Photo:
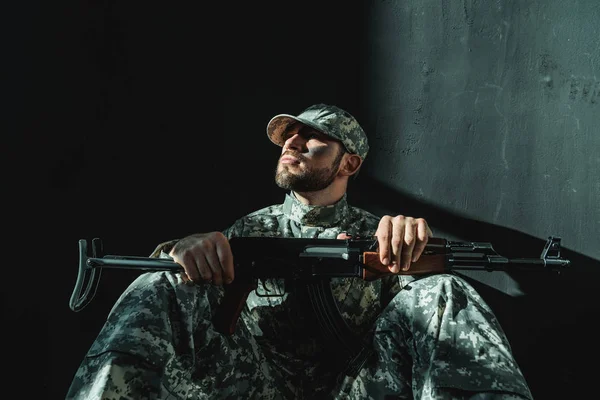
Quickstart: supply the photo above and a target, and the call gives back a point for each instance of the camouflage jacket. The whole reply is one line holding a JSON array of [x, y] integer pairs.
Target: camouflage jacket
[[288, 316]]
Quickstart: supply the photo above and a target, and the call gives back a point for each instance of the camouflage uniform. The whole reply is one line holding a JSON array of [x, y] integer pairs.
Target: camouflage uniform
[[426, 337], [430, 337]]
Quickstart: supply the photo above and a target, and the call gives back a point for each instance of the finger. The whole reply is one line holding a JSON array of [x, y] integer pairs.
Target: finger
[[409, 243], [220, 258], [344, 236], [423, 235], [396, 243], [383, 237], [185, 257], [397, 240], [214, 265], [188, 262], [204, 269], [226, 260]]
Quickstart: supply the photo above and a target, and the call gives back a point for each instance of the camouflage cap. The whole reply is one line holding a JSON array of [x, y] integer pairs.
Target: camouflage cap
[[327, 119]]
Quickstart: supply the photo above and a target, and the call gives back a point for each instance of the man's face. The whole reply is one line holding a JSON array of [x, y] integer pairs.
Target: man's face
[[309, 159]]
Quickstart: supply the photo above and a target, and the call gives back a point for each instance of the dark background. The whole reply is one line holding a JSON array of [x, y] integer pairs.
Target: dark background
[[139, 123]]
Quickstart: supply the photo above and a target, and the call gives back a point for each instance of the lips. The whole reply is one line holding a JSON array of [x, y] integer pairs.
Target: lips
[[289, 160]]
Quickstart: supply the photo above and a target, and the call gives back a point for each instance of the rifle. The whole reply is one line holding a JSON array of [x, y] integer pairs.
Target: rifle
[[310, 263], [307, 266]]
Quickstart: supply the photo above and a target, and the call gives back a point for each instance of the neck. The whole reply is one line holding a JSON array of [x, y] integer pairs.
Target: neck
[[325, 197]]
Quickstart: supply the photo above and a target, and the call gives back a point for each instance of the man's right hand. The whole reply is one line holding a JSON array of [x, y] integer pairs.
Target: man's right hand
[[205, 257]]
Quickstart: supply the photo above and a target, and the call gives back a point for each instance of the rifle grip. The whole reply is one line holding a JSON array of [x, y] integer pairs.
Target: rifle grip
[[231, 306], [426, 264]]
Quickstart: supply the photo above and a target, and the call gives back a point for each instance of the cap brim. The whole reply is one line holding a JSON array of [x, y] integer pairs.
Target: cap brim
[[278, 124]]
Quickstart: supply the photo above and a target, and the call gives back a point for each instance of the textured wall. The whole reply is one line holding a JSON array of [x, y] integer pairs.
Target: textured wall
[[491, 109], [485, 118]]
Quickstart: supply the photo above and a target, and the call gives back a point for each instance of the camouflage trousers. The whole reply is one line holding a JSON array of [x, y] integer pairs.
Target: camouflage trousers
[[436, 339]]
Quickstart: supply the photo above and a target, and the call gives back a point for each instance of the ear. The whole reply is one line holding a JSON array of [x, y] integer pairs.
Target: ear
[[350, 164]]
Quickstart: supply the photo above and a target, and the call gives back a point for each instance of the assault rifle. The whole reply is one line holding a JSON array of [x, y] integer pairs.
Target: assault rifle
[[310, 264]]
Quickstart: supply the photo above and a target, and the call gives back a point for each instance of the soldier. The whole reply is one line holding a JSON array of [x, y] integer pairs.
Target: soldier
[[425, 336]]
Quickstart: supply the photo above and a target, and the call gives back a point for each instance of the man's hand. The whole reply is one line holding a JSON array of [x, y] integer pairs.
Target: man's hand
[[205, 257], [401, 241]]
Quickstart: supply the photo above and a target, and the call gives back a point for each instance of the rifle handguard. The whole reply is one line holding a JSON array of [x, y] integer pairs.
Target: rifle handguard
[[426, 264]]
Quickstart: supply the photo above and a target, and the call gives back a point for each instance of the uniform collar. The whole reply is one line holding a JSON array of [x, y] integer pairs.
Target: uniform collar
[[323, 216]]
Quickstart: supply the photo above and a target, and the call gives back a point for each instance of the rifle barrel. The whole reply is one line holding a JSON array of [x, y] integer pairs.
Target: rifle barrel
[[494, 263]]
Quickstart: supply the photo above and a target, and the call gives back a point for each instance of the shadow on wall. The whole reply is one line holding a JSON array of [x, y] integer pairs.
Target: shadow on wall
[[548, 323]]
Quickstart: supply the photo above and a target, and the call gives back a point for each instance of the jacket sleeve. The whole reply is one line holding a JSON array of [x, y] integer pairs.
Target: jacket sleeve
[[164, 247]]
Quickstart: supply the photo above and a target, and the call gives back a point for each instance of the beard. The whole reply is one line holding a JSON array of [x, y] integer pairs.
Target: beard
[[308, 180]]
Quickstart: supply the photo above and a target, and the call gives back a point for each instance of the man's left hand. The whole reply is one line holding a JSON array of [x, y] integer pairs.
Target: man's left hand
[[401, 241]]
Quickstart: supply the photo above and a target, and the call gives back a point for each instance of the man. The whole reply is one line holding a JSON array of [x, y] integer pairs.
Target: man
[[425, 337]]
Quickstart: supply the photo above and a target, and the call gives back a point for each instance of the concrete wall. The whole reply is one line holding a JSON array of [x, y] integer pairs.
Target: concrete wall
[[502, 98], [485, 117]]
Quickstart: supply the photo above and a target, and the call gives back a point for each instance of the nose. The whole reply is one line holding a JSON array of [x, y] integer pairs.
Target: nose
[[295, 142]]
